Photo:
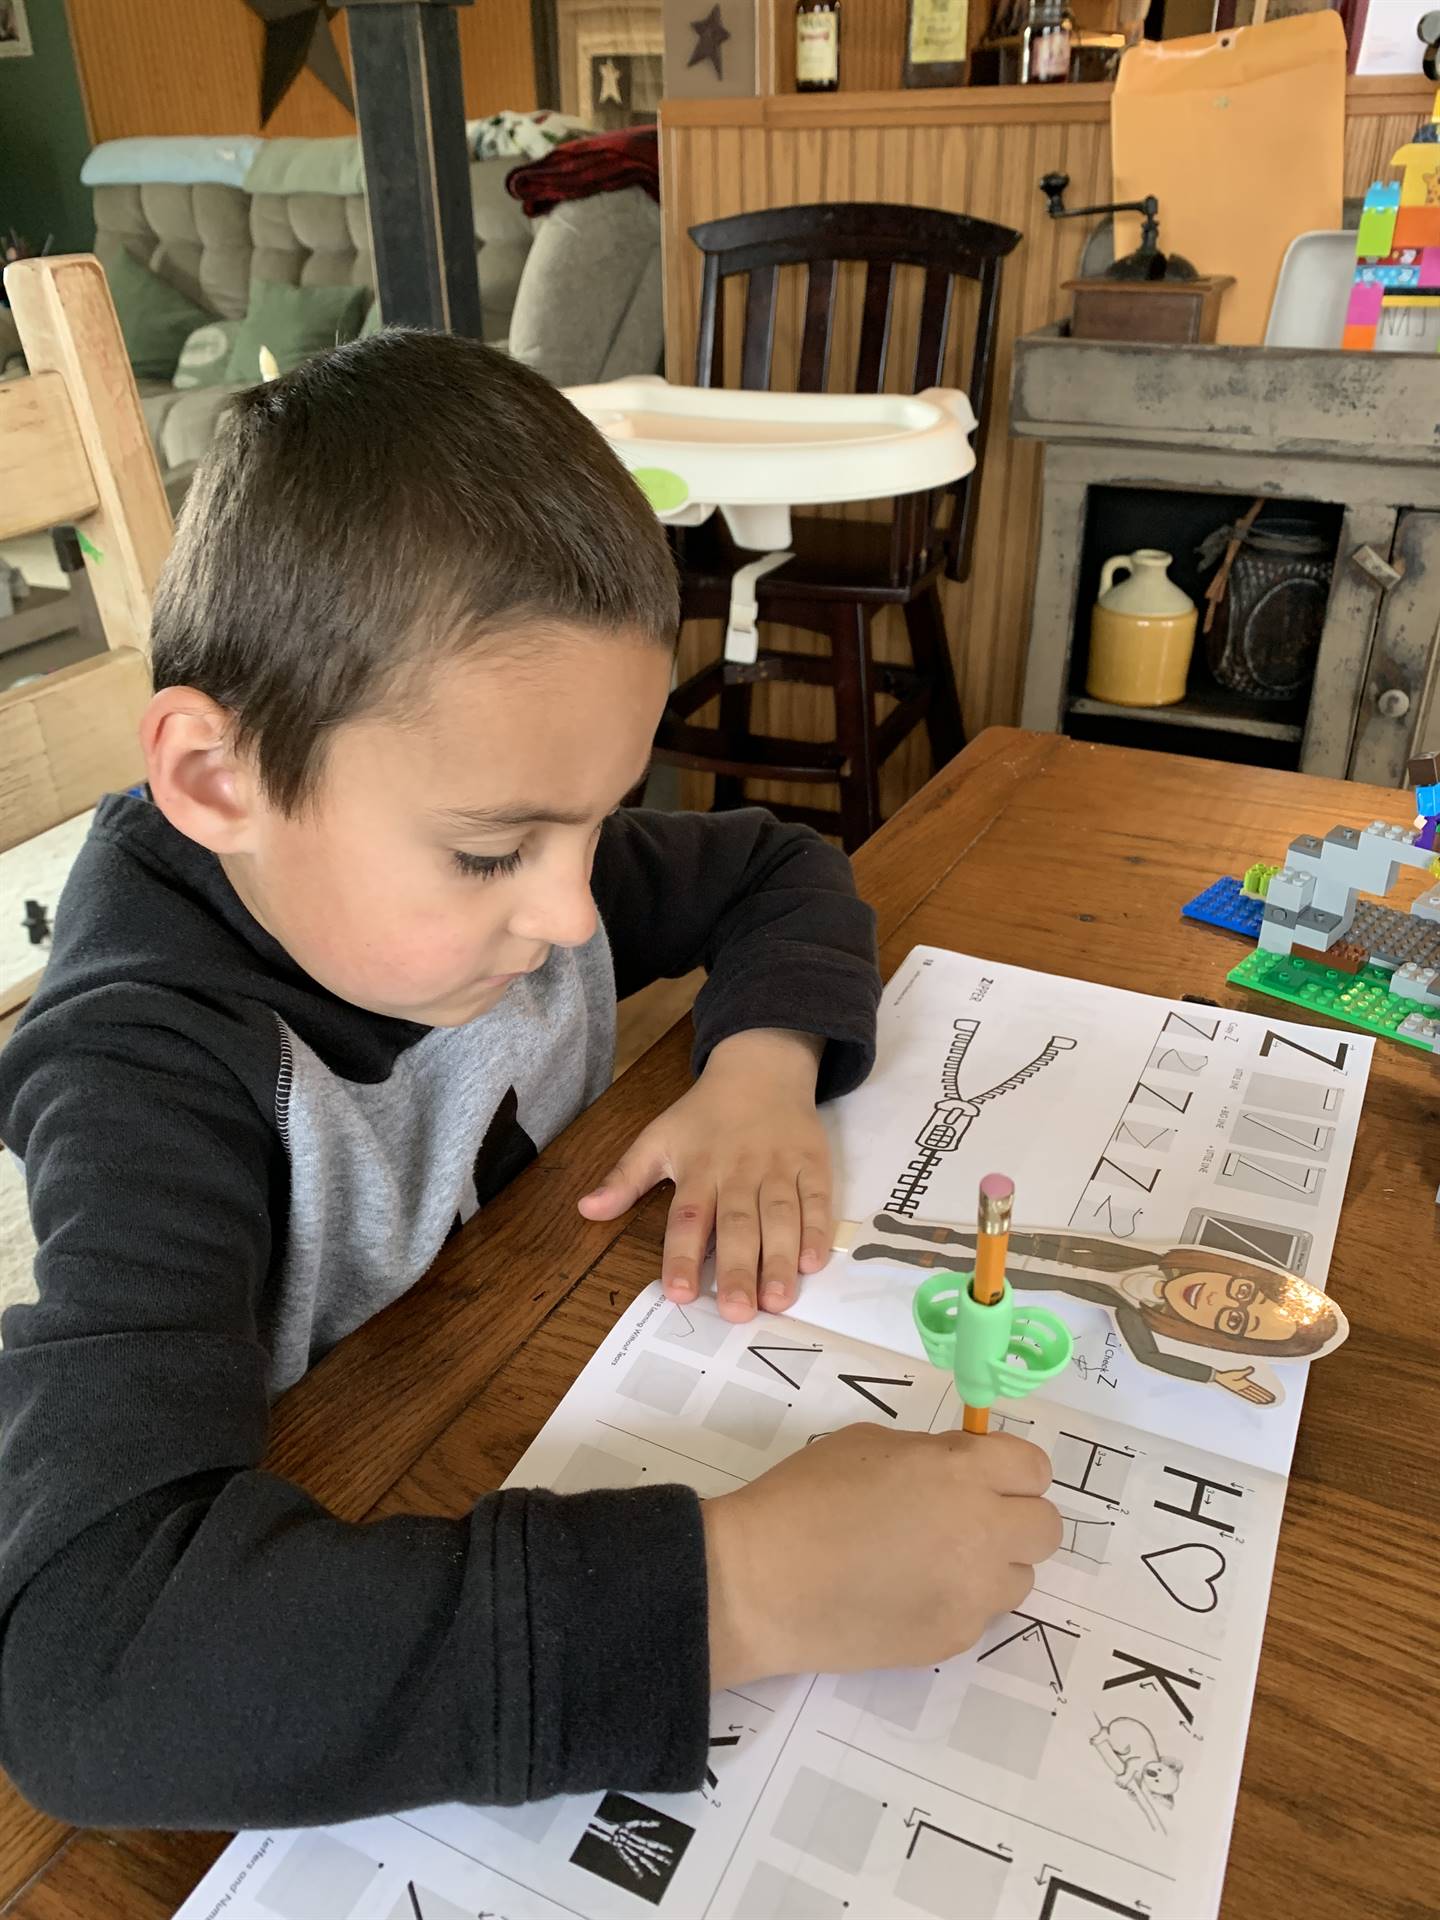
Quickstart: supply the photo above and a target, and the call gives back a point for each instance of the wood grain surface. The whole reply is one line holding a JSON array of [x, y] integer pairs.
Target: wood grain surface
[[172, 66], [1075, 859]]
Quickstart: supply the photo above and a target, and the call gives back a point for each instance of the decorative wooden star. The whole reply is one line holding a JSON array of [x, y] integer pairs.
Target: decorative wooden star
[[609, 84], [711, 33], [297, 35]]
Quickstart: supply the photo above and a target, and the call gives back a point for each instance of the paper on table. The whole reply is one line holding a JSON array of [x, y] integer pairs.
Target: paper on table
[[1172, 1124]]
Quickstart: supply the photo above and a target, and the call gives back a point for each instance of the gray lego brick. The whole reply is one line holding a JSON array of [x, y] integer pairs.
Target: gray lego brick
[[1393, 939], [1344, 837], [1317, 920], [1305, 847], [1279, 916]]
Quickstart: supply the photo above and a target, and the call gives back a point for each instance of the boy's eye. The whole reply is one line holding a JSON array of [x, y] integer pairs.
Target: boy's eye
[[487, 866]]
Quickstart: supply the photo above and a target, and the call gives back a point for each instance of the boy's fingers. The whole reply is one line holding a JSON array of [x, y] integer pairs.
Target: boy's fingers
[[687, 1235], [641, 1168], [780, 1224], [1008, 1463], [817, 1234], [737, 1249]]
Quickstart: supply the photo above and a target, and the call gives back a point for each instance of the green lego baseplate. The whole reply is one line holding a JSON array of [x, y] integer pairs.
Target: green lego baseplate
[[1361, 1000]]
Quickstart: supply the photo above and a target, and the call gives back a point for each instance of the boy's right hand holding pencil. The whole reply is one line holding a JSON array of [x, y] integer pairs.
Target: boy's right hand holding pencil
[[873, 1548]]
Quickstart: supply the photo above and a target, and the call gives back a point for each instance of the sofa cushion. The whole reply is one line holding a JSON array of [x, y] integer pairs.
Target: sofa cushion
[[196, 237], [310, 240], [294, 322], [206, 355], [156, 319], [589, 306]]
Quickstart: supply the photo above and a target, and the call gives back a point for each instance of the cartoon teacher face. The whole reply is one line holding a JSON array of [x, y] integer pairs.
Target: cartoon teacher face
[[1229, 1303]]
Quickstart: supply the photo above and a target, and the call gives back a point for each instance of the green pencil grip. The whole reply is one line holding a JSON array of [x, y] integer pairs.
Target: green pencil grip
[[994, 1352]]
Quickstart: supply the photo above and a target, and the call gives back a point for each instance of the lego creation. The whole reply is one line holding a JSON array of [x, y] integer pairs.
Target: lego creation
[[1363, 1000], [1397, 250], [1318, 945], [1227, 905], [1312, 900]]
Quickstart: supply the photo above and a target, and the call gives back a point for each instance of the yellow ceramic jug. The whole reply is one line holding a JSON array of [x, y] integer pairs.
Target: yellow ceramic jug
[[1142, 633]]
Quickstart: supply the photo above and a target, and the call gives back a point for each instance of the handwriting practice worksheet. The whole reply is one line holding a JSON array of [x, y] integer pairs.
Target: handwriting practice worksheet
[[1083, 1758]]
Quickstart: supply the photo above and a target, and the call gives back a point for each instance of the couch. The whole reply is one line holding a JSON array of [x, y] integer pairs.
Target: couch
[[575, 294]]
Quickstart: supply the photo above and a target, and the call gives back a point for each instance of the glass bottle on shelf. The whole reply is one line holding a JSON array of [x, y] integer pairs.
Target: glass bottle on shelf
[[936, 43], [817, 46], [1047, 42]]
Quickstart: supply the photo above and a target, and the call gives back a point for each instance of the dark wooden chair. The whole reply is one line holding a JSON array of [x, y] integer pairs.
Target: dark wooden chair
[[842, 570]]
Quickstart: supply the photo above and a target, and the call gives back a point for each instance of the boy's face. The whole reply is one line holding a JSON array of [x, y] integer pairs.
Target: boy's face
[[444, 856]]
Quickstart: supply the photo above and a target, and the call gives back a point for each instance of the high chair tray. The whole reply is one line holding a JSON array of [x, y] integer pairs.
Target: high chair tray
[[694, 449]]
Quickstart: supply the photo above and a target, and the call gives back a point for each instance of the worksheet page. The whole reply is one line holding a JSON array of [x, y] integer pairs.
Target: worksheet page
[[1083, 1758]]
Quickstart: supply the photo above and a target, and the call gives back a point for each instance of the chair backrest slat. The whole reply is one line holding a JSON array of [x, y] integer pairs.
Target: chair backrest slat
[[934, 335], [75, 451], [69, 738], [45, 477], [710, 337], [814, 371], [876, 315], [758, 345], [67, 326]]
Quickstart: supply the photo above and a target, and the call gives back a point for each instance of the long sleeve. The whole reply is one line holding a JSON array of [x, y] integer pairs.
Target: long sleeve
[[769, 910], [191, 1641]]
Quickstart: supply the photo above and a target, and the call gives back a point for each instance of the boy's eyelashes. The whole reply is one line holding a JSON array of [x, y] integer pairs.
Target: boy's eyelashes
[[493, 866], [487, 866]]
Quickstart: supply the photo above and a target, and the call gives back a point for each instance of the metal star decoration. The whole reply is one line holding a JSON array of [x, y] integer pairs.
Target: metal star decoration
[[297, 36], [711, 33]]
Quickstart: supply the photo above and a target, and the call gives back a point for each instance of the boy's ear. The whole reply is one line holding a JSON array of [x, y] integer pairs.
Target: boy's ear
[[205, 790]]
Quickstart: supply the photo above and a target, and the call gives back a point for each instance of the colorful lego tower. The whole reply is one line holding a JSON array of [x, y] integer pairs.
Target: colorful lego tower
[[1397, 251]]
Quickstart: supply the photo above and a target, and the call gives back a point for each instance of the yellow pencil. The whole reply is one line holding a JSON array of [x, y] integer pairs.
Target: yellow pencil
[[992, 1243]]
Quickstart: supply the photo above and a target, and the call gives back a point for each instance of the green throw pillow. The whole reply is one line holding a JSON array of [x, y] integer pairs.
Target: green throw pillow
[[294, 322], [206, 355], [155, 318]]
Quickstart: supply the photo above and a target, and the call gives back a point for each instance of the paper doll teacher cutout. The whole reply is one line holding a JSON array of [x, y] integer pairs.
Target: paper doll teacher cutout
[[1195, 1296]]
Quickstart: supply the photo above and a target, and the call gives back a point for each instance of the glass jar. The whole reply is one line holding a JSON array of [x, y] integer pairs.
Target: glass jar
[[1047, 42]]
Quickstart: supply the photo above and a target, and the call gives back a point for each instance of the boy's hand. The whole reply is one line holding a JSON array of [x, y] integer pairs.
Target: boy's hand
[[873, 1549], [750, 1162]]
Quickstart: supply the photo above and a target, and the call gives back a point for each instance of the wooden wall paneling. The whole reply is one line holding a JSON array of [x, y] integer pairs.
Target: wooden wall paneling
[[155, 67], [497, 58], [158, 67]]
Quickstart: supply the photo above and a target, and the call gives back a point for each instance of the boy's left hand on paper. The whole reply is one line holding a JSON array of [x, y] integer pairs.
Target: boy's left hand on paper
[[750, 1163]]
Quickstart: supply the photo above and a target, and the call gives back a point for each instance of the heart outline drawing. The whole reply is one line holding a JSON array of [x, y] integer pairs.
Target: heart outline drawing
[[1208, 1580]]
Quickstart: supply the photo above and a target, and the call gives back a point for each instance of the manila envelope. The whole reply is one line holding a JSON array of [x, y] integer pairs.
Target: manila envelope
[[1240, 135]]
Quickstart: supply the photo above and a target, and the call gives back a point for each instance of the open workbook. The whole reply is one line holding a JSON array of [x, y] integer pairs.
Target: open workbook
[[1083, 1758]]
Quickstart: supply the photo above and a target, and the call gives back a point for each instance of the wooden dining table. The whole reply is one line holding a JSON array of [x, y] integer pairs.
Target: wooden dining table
[[1070, 858]]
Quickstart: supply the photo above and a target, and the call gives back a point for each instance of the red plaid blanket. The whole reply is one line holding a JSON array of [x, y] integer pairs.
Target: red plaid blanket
[[604, 164]]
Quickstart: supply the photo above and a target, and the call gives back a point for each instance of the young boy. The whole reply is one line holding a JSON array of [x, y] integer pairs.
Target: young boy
[[311, 1003]]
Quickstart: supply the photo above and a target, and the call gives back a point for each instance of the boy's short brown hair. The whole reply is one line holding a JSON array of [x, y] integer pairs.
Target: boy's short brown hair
[[389, 504]]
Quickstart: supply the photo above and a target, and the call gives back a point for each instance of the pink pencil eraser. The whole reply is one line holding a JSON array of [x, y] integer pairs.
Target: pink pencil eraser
[[997, 1186]]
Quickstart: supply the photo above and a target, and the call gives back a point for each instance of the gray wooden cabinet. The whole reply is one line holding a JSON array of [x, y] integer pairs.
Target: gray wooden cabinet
[[1360, 432]]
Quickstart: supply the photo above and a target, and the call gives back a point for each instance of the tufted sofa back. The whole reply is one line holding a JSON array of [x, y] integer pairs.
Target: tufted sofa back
[[210, 240]]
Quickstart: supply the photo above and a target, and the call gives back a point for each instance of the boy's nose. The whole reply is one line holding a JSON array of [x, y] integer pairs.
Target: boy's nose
[[560, 917]]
